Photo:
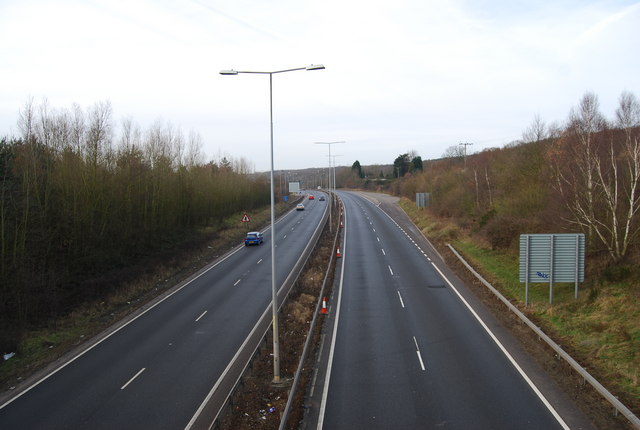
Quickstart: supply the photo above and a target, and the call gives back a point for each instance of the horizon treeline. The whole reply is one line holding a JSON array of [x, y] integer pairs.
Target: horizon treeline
[[582, 176], [76, 200]]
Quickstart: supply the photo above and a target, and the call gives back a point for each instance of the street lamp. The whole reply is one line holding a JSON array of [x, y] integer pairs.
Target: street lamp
[[274, 290], [329, 176], [334, 170]]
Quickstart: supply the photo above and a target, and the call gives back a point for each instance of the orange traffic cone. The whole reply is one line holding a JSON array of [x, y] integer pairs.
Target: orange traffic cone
[[324, 306], [338, 255]]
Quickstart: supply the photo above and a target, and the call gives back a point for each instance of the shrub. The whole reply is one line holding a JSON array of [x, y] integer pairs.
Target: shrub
[[501, 230], [616, 273]]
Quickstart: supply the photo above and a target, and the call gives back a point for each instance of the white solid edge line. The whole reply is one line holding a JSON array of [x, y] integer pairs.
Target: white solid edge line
[[325, 390], [506, 353], [81, 353]]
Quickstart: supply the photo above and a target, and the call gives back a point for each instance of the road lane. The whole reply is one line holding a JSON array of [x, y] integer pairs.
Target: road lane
[[408, 353], [182, 358]]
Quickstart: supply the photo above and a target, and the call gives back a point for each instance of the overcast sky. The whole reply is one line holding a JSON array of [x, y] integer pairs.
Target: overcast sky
[[400, 75]]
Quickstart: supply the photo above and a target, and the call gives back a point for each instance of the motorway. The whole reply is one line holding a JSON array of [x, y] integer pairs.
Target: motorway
[[155, 370], [406, 351]]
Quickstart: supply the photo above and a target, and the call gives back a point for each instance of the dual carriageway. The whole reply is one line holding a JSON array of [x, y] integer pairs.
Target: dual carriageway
[[405, 344]]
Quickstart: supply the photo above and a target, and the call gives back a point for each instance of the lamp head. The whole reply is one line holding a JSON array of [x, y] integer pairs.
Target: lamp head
[[315, 67], [228, 72]]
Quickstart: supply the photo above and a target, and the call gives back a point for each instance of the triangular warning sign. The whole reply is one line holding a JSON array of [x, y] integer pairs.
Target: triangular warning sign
[[245, 218]]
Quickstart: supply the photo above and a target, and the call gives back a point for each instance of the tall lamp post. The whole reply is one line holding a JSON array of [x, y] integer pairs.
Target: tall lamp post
[[329, 176], [335, 183], [274, 290]]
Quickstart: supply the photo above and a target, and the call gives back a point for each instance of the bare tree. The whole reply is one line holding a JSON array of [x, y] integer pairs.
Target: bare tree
[[536, 132], [26, 119], [162, 145], [413, 154], [622, 233], [455, 151], [99, 131], [628, 113], [126, 136], [242, 166], [486, 177], [584, 123], [475, 180], [44, 127], [78, 131], [600, 181], [194, 155], [554, 130]]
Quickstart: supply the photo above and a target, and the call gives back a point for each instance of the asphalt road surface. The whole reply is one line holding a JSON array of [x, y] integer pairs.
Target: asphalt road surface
[[407, 352], [155, 371]]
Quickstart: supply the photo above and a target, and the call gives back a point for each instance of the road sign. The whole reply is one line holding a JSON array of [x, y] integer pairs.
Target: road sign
[[245, 218], [294, 187], [551, 258]]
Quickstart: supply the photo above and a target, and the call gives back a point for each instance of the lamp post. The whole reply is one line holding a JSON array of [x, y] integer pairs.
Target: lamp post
[[334, 170], [274, 290], [329, 176]]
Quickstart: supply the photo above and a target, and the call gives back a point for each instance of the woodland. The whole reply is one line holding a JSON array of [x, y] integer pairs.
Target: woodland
[[80, 206]]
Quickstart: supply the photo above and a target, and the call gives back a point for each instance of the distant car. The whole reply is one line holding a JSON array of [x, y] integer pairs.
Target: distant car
[[311, 197], [253, 238], [300, 207], [321, 198]]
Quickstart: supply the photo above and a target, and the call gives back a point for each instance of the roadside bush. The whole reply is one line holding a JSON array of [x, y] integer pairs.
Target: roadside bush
[[616, 273], [487, 217], [500, 231]]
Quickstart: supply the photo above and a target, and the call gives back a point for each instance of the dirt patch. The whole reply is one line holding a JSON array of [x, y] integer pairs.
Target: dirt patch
[[301, 310]]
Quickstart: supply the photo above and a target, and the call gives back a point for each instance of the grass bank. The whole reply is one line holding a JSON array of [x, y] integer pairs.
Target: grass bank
[[601, 329]]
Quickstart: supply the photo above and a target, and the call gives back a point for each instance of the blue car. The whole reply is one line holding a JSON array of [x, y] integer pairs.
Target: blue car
[[253, 238]]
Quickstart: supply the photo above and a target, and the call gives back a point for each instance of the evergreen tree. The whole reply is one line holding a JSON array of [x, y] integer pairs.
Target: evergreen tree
[[401, 165], [416, 164], [356, 167]]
